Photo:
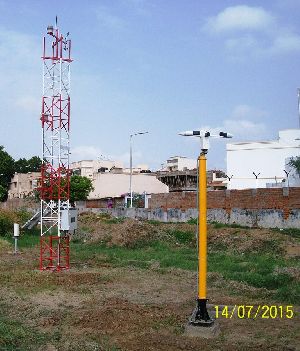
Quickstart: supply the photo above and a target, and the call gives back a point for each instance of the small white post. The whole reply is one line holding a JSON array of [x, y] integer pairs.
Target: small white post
[[16, 236]]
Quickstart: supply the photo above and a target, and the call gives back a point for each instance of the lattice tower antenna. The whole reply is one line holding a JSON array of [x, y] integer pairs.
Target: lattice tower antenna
[[55, 172]]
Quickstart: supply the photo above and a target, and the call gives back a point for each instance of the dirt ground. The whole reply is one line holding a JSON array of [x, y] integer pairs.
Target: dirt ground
[[102, 307]]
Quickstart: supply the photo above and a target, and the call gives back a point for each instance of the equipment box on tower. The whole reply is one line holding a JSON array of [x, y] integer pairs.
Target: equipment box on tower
[[69, 219]]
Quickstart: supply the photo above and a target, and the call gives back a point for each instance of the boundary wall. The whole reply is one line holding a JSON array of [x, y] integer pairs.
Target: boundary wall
[[268, 208]]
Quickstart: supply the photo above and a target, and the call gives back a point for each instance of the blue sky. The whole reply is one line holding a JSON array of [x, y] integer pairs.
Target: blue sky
[[160, 66]]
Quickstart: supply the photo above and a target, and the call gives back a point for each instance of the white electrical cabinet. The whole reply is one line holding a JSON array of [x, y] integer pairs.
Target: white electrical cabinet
[[69, 219]]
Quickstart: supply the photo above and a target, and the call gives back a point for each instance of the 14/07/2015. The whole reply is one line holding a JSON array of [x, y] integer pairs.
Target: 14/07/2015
[[252, 312]]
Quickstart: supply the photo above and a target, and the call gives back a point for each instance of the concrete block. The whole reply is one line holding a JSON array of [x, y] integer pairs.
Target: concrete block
[[205, 332]]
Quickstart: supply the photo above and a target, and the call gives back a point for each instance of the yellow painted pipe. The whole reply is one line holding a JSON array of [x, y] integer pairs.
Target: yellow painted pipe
[[202, 227]]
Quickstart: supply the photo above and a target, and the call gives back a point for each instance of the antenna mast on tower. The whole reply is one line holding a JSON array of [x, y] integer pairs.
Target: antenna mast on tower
[[55, 172]]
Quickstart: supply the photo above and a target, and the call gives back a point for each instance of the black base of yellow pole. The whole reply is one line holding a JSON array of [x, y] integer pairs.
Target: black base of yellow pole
[[200, 316]]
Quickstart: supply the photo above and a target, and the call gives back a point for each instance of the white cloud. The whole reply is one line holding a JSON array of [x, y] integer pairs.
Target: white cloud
[[139, 7], [29, 104], [240, 17], [19, 48], [247, 43], [21, 81], [85, 152], [136, 157], [21, 63], [241, 123], [246, 111], [285, 43], [252, 31], [244, 128], [89, 152], [109, 20]]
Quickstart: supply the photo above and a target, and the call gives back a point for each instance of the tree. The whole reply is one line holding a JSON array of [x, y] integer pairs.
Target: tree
[[6, 170], [295, 163], [21, 166], [80, 187], [32, 165], [3, 193], [8, 166]]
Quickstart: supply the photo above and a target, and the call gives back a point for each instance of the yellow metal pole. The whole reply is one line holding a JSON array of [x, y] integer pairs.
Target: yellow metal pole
[[202, 228]]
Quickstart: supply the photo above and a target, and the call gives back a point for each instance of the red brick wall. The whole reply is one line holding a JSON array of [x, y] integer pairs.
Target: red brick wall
[[274, 198], [103, 203]]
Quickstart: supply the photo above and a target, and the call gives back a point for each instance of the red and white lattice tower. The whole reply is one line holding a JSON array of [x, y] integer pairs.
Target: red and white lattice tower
[[55, 172]]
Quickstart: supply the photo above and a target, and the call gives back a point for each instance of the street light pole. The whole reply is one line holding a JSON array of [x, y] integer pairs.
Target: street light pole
[[130, 178], [299, 105], [130, 163], [200, 316]]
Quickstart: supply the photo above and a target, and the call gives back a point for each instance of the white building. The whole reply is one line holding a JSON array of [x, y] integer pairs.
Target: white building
[[267, 159], [180, 163], [86, 168], [112, 185], [293, 175], [142, 168]]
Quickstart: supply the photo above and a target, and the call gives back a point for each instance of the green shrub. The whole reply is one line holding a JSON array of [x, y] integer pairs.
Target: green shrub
[[7, 220], [22, 215]]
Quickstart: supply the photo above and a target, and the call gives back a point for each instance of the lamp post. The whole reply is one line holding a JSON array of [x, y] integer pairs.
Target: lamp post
[[200, 316], [130, 161]]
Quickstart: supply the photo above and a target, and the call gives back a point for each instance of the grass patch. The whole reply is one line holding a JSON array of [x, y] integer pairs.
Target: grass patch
[[167, 255], [28, 281], [29, 239], [218, 225], [170, 322], [257, 270], [193, 221], [154, 222], [288, 293], [114, 220], [88, 218], [182, 237], [293, 232], [16, 336]]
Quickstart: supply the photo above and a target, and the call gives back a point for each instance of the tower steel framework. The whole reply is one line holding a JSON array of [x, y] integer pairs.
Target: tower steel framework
[[55, 172]]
